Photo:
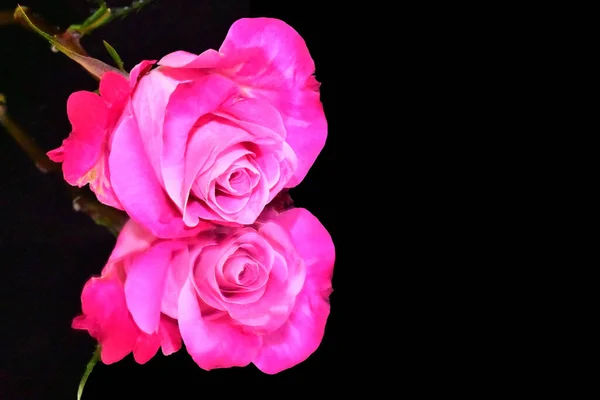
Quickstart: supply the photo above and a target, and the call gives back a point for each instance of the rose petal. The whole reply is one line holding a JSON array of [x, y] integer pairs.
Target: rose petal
[[177, 273], [133, 238], [149, 104], [107, 319], [213, 344], [183, 59], [137, 187], [114, 89], [83, 148], [145, 285], [139, 70], [170, 338], [209, 148], [256, 116], [313, 243], [299, 337], [145, 347]]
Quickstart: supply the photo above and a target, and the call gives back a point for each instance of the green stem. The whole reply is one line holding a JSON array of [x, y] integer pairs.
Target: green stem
[[104, 15], [108, 217], [39, 157], [88, 371]]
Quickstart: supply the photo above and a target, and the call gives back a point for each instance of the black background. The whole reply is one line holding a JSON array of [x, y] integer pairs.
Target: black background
[[48, 251]]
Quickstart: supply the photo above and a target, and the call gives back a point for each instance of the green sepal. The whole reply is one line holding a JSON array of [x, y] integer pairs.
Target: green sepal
[[115, 56]]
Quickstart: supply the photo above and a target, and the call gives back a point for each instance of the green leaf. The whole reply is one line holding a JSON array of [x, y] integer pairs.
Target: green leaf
[[88, 371], [115, 56], [95, 67]]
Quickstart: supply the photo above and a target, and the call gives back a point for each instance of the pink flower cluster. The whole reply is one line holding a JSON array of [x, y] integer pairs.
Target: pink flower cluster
[[199, 151]]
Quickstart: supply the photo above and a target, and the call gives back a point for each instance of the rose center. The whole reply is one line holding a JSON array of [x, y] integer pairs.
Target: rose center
[[239, 181]]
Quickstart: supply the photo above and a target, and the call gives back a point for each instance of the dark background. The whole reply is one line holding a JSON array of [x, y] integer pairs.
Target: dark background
[[48, 251]]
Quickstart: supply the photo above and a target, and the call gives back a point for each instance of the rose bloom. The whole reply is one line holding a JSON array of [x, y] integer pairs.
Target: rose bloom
[[249, 294], [209, 137]]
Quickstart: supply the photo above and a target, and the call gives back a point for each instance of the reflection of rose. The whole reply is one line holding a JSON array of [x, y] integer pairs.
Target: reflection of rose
[[255, 294]]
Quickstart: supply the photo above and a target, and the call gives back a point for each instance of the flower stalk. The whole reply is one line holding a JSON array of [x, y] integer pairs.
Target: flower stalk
[[108, 217], [88, 370]]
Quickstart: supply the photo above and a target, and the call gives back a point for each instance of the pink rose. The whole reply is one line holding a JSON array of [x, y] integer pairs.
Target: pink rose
[[107, 318], [249, 294], [210, 137]]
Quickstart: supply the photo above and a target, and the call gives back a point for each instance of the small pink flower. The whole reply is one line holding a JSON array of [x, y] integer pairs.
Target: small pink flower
[[209, 137], [255, 294]]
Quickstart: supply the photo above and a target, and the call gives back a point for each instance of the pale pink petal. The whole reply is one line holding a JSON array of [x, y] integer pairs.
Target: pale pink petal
[[206, 147], [148, 104], [183, 59], [186, 104], [145, 284], [257, 116], [138, 189], [213, 344], [273, 308], [205, 264], [177, 273]]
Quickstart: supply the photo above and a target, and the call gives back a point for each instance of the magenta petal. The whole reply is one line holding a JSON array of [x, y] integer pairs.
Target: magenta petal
[[213, 344], [57, 155], [83, 148], [114, 89], [107, 318], [137, 187], [145, 347], [272, 53], [170, 338], [139, 70], [145, 285]]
